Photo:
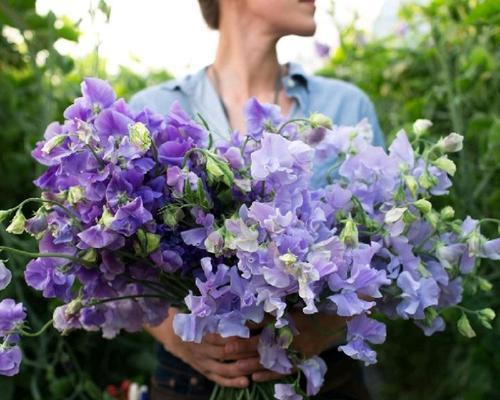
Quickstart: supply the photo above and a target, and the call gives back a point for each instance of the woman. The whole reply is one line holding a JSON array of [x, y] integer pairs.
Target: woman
[[246, 65]]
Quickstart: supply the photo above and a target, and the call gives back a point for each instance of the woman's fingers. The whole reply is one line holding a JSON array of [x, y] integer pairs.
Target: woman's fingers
[[215, 339], [264, 376], [238, 346], [240, 382], [212, 351], [233, 369]]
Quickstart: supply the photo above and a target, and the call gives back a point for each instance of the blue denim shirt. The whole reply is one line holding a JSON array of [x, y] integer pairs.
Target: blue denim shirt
[[343, 102]]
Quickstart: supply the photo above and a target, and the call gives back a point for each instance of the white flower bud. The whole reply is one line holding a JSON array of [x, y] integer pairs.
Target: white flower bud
[[451, 143], [421, 126], [394, 215]]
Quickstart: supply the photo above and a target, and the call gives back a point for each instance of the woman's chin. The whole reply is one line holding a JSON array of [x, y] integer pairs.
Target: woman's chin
[[306, 30]]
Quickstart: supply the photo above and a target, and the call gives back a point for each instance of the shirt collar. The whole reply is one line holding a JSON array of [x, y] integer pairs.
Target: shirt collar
[[295, 82]]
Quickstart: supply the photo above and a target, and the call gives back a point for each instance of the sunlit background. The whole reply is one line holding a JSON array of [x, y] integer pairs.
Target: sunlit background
[[171, 34]]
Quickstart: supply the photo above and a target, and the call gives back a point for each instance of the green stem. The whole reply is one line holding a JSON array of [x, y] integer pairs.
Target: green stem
[[465, 309], [47, 325], [50, 255], [292, 121], [207, 127], [52, 202]]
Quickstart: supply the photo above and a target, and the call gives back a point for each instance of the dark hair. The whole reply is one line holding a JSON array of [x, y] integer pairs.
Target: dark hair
[[210, 11]]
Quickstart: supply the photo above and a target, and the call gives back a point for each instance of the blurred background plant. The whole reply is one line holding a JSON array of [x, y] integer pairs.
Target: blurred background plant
[[441, 62], [36, 84]]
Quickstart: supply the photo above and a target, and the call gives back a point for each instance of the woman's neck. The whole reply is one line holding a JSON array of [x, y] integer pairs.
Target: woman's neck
[[246, 64]]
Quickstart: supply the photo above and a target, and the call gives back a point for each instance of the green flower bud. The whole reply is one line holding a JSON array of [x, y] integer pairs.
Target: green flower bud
[[424, 206], [75, 194], [447, 213], [213, 168], [432, 218], [172, 215], [411, 184], [451, 143], [148, 241], [288, 258], [4, 214], [349, 234], [17, 224], [74, 307], [465, 328], [218, 168], [430, 315], [484, 284], [446, 165], [320, 120], [394, 215], [426, 180], [400, 194], [421, 126], [285, 337], [90, 255], [140, 136], [53, 142], [107, 218], [487, 313]]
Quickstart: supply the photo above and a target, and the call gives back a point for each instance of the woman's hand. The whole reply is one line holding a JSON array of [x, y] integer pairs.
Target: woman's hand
[[226, 361]]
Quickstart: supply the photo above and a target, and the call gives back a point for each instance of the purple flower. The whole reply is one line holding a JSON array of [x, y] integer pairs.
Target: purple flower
[[314, 370], [12, 315], [65, 321], [401, 150], [172, 152], [5, 276], [43, 274], [130, 217], [491, 249], [99, 237], [10, 360], [259, 117], [363, 280], [417, 295], [280, 161], [322, 49], [437, 325], [243, 238], [110, 122], [98, 92], [285, 391], [272, 356], [360, 330]]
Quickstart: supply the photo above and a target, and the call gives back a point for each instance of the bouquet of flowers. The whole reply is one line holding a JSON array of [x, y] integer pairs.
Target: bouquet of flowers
[[139, 212]]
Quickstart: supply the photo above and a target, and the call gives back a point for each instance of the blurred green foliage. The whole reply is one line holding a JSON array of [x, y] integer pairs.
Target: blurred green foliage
[[36, 84], [442, 63]]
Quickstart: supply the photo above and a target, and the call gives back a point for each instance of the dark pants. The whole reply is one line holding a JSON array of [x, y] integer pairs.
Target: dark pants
[[175, 380]]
